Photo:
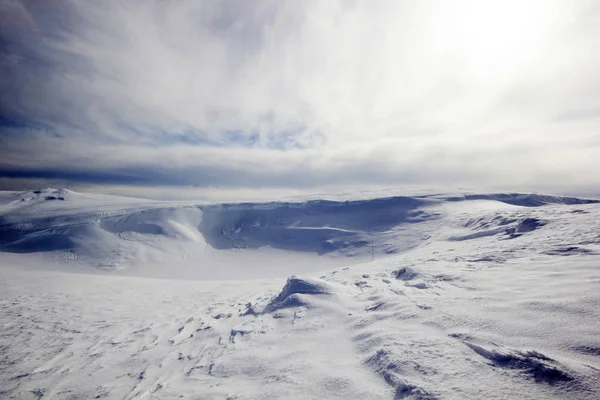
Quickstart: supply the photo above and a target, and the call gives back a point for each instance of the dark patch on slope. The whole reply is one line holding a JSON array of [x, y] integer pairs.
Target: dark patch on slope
[[19, 241], [524, 226], [541, 368], [321, 226], [588, 349], [568, 251], [525, 200], [485, 228], [384, 365], [405, 274]]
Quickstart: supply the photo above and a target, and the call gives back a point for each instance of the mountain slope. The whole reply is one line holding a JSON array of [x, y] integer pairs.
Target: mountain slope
[[137, 237], [479, 298]]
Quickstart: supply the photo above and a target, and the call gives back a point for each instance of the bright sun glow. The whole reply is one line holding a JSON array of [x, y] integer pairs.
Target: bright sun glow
[[492, 39]]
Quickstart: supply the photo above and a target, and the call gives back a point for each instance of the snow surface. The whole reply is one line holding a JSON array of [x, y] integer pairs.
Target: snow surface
[[480, 296]]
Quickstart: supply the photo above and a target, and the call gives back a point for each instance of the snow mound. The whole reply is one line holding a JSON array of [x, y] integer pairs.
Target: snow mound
[[76, 233], [478, 319], [292, 294], [51, 192], [124, 234]]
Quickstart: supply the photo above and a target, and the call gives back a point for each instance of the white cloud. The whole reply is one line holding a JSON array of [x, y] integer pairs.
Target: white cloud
[[305, 94]]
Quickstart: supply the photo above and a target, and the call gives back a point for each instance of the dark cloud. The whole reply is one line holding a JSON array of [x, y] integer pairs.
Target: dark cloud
[[299, 95]]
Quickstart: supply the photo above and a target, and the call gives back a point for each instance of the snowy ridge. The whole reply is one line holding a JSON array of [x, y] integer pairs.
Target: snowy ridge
[[118, 233], [478, 298]]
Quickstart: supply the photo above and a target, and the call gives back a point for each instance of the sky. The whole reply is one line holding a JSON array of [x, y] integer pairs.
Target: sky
[[242, 99]]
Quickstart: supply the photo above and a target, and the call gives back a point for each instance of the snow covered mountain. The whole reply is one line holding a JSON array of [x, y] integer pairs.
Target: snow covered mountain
[[489, 296]]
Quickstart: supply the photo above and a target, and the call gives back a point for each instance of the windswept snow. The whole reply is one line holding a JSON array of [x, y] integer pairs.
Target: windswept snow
[[489, 296]]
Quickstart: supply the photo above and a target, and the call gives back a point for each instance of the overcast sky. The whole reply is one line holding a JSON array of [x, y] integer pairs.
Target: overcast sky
[[190, 98]]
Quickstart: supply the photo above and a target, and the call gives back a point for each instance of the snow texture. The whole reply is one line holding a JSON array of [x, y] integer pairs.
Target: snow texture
[[489, 296]]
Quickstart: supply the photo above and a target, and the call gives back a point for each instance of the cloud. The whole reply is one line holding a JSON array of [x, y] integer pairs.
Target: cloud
[[300, 95]]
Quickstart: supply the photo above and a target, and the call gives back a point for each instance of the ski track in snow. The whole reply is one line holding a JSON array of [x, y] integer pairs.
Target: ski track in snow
[[492, 297]]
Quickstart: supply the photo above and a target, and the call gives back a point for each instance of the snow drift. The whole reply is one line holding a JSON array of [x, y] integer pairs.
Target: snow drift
[[116, 233], [438, 297]]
